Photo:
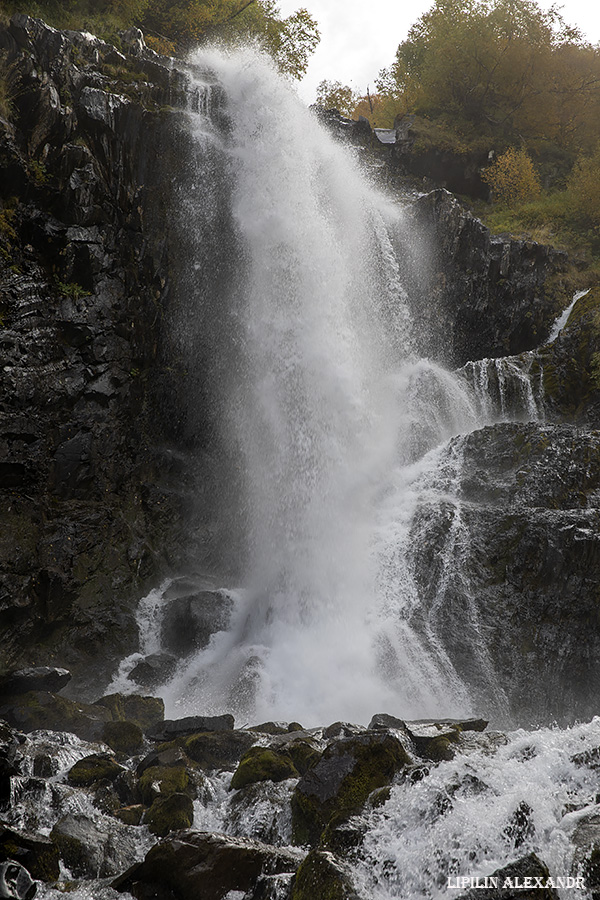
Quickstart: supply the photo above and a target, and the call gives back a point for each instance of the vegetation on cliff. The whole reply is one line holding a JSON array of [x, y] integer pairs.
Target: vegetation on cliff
[[174, 27]]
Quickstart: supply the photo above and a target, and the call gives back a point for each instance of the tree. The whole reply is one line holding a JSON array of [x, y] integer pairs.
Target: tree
[[335, 95], [512, 178], [498, 66], [584, 190]]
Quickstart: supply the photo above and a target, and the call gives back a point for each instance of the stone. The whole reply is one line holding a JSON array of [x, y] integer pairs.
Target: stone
[[263, 764], [16, 882], [153, 670], [171, 812], [93, 768], [144, 711], [322, 875], [219, 749], [193, 864], [35, 678], [40, 709], [189, 622], [172, 755], [340, 783], [123, 737], [37, 854], [161, 781], [92, 850], [174, 728]]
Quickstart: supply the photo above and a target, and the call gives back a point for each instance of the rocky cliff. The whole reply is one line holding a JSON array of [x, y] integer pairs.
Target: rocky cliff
[[90, 508]]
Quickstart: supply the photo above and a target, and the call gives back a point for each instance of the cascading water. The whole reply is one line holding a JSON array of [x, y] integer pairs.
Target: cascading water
[[331, 416]]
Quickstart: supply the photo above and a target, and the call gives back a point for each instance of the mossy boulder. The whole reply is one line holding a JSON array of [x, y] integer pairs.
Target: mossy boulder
[[173, 812], [162, 781], [38, 854], [144, 711], [123, 737], [218, 749], [42, 710], [130, 815], [340, 783], [93, 768], [263, 764], [322, 876]]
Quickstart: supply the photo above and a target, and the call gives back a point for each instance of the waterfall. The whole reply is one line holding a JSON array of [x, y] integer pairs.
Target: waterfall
[[334, 430]]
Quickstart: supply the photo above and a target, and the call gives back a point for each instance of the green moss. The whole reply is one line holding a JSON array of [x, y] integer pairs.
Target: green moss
[[93, 768], [303, 755], [163, 781], [123, 737], [372, 764], [170, 813], [321, 877], [143, 711], [130, 815], [439, 748], [263, 764]]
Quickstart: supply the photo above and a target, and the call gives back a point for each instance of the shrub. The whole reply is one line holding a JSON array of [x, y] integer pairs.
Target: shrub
[[584, 189], [513, 178]]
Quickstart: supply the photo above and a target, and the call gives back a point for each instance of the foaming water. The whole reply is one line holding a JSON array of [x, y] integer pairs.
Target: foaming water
[[332, 417]]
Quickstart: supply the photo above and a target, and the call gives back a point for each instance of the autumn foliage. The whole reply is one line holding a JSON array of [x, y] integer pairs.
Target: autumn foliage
[[512, 178]]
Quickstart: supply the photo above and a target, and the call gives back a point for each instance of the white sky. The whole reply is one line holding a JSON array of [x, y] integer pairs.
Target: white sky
[[360, 37]]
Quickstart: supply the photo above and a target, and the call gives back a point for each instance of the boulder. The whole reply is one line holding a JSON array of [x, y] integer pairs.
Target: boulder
[[193, 864], [161, 781], [37, 854], [144, 711], [153, 670], [93, 850], [218, 749], [189, 622], [36, 678], [322, 875], [263, 764], [16, 882], [174, 728], [123, 737], [170, 812], [93, 768], [40, 709], [340, 783]]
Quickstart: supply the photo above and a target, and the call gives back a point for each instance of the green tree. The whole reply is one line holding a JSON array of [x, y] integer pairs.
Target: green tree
[[335, 95], [584, 190]]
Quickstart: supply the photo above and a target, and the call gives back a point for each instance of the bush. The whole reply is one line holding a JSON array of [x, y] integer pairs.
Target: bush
[[513, 178], [584, 189]]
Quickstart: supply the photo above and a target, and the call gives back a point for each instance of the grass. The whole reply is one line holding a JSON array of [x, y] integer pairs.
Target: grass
[[549, 219]]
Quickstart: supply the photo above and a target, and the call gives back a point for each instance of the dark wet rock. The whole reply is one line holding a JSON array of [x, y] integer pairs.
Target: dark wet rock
[[153, 670], [123, 737], [263, 764], [322, 875], [144, 711], [512, 884], [91, 515], [277, 727], [341, 730], [174, 728], [586, 858], [344, 838], [340, 783], [192, 864], [568, 367], [523, 544], [16, 882], [90, 851], [40, 709], [589, 758], [91, 769], [38, 678], [38, 854], [189, 622], [219, 749], [170, 812], [271, 887], [10, 760], [165, 758], [486, 296]]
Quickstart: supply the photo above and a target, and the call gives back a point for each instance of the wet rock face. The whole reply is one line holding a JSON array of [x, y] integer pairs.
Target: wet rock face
[[485, 296], [88, 513], [521, 544]]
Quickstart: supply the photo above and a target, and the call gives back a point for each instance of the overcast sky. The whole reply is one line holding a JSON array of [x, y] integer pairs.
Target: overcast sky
[[359, 37]]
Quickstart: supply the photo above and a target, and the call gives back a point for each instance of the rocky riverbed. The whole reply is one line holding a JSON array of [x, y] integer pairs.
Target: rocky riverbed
[[108, 799]]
